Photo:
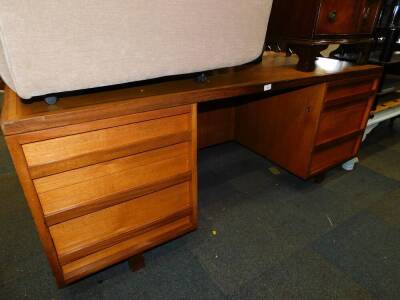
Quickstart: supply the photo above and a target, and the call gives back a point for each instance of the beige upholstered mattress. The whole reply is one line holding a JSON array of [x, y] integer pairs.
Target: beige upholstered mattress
[[52, 46]]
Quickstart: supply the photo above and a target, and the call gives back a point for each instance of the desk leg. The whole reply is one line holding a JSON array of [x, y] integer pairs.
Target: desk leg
[[320, 178], [136, 263]]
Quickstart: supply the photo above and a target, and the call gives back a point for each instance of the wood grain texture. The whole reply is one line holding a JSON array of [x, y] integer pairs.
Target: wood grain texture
[[347, 99], [347, 88], [275, 69], [114, 199], [35, 207], [129, 178], [370, 15], [216, 124], [282, 128], [65, 153], [11, 101], [124, 250], [328, 157], [303, 27], [79, 237], [342, 120], [89, 247], [93, 155], [90, 191], [72, 177], [48, 134], [193, 165], [346, 20], [88, 159]]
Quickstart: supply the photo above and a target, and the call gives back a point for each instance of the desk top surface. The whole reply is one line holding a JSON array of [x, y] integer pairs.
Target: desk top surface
[[276, 72]]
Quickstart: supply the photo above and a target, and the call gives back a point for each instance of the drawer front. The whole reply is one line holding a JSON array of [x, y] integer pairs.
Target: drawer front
[[338, 17], [124, 250], [342, 91], [342, 120], [369, 16], [91, 233], [77, 192], [71, 152], [106, 190], [330, 156]]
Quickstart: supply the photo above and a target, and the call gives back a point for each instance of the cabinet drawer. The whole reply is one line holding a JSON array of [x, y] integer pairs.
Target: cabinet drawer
[[343, 91], [77, 192], [327, 157], [369, 15], [124, 250], [342, 120], [338, 17], [75, 151], [91, 233]]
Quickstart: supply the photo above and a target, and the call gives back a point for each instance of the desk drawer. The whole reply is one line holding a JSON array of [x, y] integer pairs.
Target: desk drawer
[[101, 259], [75, 151], [77, 192], [94, 232], [342, 120], [338, 17], [329, 156], [340, 92]]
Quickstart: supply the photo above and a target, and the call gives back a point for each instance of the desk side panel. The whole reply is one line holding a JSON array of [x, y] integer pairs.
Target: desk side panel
[[282, 128]]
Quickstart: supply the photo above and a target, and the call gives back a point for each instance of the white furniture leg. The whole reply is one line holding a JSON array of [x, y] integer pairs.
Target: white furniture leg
[[349, 165], [372, 124]]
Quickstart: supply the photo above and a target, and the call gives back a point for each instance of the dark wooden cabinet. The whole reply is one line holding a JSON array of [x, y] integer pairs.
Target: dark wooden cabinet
[[308, 27], [337, 17]]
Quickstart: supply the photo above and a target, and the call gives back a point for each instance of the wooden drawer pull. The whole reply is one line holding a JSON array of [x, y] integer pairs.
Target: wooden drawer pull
[[107, 201], [332, 16], [80, 251], [84, 160]]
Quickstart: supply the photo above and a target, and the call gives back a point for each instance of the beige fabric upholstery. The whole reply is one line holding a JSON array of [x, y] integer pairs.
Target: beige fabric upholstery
[[50, 46]]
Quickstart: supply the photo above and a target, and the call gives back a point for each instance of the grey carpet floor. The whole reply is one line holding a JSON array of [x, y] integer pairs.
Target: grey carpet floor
[[276, 236]]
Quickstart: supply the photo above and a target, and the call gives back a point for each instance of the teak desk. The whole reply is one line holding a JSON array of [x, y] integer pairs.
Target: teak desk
[[110, 174]]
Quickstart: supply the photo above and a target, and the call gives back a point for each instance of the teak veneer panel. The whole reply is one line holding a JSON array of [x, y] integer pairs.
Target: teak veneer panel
[[307, 131], [65, 153], [79, 237], [124, 250], [69, 178], [283, 127], [99, 191], [277, 70], [333, 155], [216, 124], [341, 120], [350, 87], [96, 153], [137, 173]]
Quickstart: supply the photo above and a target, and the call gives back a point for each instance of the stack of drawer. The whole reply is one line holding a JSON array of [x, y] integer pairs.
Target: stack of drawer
[[112, 188], [344, 115], [308, 130]]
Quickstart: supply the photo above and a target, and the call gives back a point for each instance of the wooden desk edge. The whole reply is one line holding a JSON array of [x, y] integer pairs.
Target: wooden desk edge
[[14, 123]]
